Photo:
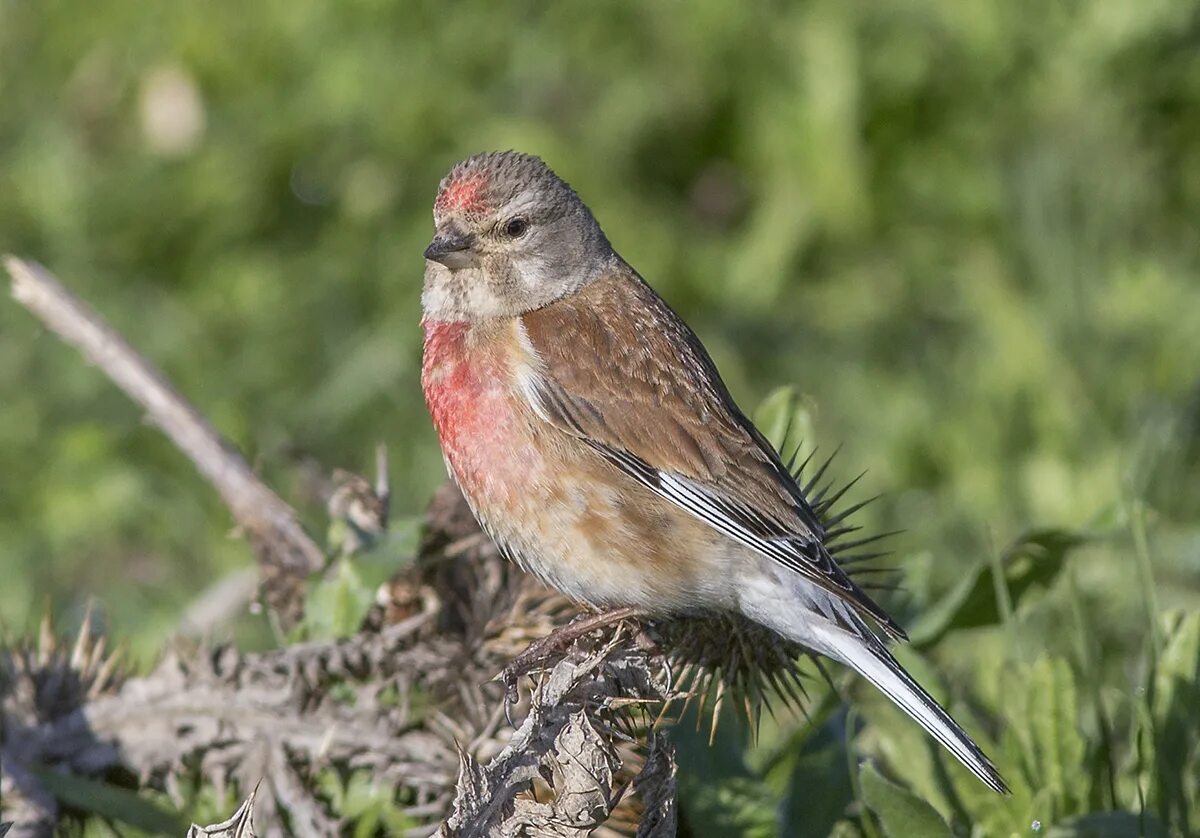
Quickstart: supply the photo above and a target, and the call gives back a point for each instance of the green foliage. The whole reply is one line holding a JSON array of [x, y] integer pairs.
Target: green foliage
[[963, 233], [369, 807], [110, 802], [339, 600], [1034, 558], [787, 421], [1107, 825], [902, 813], [1043, 748], [819, 789], [1174, 698], [721, 794], [338, 603]]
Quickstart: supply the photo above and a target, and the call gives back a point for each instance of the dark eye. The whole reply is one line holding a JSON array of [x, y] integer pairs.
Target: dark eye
[[514, 228]]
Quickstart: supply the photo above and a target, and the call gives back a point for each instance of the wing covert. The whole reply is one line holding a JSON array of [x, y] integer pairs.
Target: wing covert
[[655, 406]]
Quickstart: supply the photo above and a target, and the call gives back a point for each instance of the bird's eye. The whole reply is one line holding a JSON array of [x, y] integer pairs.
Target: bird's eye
[[516, 227]]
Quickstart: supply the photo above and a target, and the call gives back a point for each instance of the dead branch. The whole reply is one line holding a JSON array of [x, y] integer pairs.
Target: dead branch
[[271, 524]]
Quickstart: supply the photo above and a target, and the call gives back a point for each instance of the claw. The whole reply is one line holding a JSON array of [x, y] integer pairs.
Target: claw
[[557, 643]]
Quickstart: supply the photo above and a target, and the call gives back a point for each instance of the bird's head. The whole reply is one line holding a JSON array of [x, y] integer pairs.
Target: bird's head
[[510, 237]]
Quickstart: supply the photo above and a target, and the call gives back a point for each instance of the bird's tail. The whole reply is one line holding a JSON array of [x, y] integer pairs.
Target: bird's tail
[[817, 620], [866, 654]]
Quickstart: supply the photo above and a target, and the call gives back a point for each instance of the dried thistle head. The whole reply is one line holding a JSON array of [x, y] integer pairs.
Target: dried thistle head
[[358, 511], [50, 678], [43, 683], [720, 658]]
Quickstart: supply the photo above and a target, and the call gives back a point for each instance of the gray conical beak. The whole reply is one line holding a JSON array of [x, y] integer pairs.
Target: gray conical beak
[[452, 247]]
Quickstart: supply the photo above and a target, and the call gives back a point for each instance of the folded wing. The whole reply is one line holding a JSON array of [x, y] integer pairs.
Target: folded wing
[[619, 370]]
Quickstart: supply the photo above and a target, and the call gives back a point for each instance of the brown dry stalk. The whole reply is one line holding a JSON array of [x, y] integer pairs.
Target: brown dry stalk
[[271, 523]]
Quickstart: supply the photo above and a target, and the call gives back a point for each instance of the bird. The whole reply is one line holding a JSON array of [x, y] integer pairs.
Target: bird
[[597, 445]]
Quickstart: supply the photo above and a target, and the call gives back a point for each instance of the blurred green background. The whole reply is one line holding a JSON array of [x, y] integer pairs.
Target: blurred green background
[[966, 231]]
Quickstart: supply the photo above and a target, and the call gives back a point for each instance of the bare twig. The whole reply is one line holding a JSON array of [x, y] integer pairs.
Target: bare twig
[[271, 523]]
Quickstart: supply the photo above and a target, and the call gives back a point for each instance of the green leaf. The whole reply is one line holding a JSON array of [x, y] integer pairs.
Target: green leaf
[[1175, 790], [1034, 558], [1108, 825], [845, 829], [819, 789], [1054, 722], [718, 789], [371, 805], [1045, 739], [786, 420], [395, 550], [338, 603], [109, 801], [901, 813]]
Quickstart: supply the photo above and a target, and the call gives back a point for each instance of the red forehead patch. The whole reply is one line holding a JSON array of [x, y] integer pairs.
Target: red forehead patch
[[464, 193]]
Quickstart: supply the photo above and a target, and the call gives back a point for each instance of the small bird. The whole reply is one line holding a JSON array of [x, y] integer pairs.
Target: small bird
[[597, 445]]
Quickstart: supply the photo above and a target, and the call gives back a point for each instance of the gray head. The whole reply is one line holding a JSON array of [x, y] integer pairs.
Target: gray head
[[511, 237]]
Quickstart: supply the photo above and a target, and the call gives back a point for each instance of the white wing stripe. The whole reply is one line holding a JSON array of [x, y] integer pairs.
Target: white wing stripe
[[727, 517], [711, 509]]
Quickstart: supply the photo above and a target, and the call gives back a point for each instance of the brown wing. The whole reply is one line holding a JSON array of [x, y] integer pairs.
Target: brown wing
[[622, 372]]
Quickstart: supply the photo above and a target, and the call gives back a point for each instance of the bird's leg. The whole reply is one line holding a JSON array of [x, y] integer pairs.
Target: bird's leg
[[558, 641]]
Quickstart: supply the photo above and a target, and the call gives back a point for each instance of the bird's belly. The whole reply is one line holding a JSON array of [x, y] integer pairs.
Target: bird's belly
[[562, 512], [598, 542]]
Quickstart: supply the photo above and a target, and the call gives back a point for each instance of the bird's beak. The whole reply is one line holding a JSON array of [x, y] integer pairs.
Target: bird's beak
[[452, 247]]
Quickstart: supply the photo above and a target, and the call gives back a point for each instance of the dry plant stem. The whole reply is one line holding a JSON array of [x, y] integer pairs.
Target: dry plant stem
[[567, 739], [558, 641], [270, 522]]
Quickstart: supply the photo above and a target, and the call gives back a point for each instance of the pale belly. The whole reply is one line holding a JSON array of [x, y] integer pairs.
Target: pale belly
[[553, 505]]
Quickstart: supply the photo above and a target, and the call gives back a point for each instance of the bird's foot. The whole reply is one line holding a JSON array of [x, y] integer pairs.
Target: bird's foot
[[557, 642]]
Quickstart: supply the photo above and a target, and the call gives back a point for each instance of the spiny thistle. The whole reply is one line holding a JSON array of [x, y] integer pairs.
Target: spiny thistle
[[721, 658], [51, 678]]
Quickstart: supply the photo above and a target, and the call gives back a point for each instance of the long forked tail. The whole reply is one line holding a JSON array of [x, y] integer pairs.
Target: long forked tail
[[867, 655]]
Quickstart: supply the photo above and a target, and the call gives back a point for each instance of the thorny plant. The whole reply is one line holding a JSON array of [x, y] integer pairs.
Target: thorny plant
[[410, 701]]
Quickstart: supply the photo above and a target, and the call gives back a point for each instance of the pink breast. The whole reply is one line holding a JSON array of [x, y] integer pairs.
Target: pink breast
[[468, 390]]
